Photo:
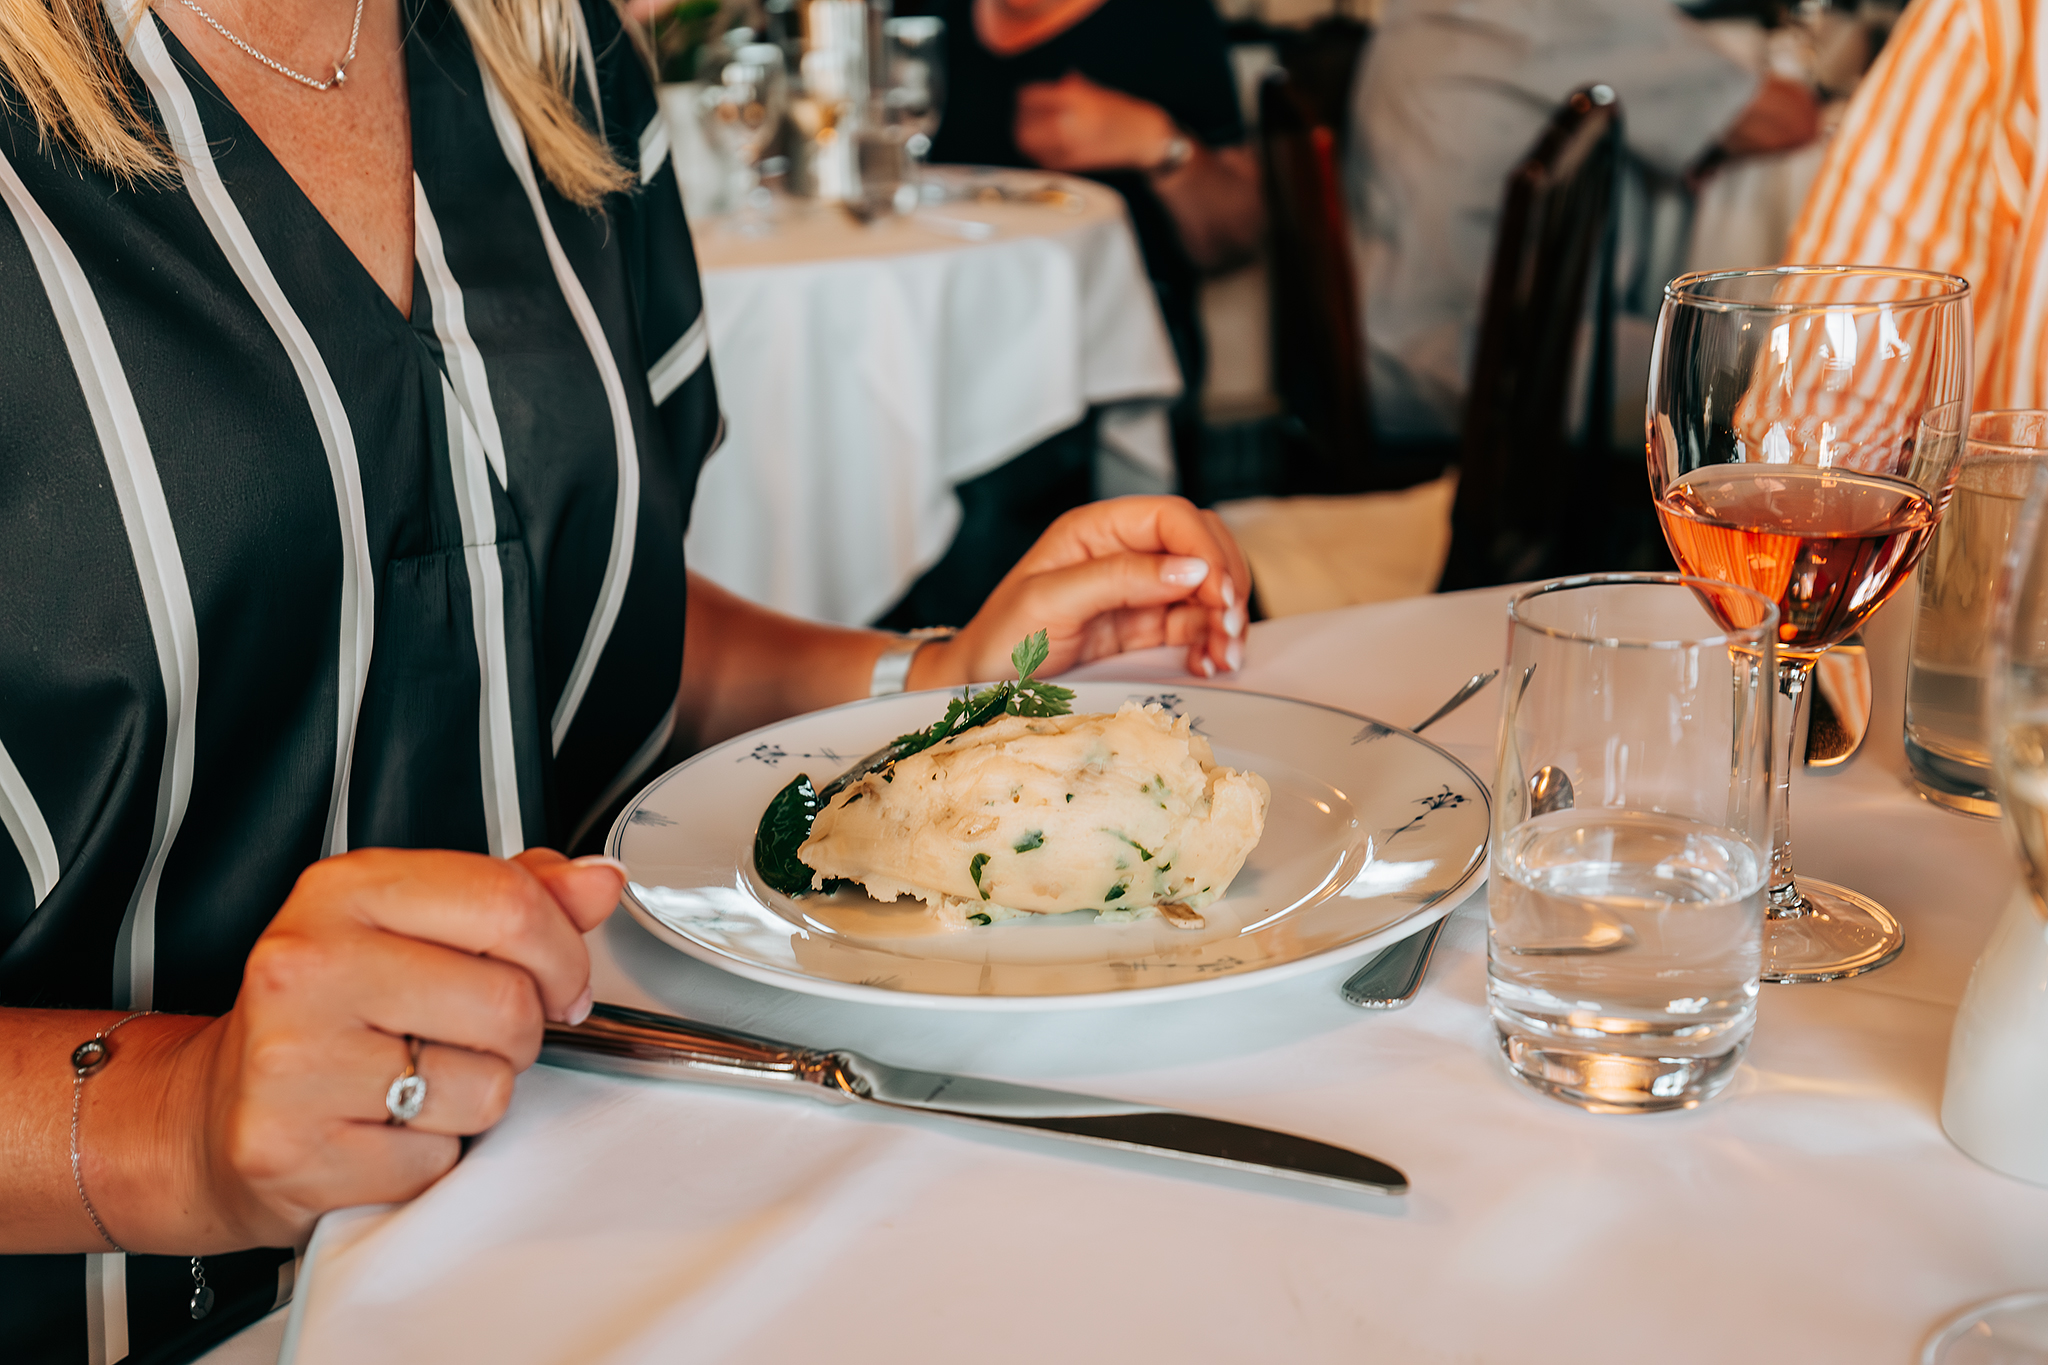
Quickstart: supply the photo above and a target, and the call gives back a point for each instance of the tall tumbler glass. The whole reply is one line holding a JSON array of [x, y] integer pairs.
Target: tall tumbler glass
[[914, 91], [1946, 741], [1804, 429], [1631, 837]]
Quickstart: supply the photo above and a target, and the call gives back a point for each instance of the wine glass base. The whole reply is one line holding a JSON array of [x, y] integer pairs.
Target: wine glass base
[[2008, 1331], [1842, 933]]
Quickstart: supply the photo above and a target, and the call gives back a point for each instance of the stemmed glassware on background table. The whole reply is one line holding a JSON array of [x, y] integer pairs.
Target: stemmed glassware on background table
[[744, 99], [1805, 425]]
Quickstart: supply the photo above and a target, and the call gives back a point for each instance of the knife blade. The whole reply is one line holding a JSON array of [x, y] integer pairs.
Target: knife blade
[[620, 1041]]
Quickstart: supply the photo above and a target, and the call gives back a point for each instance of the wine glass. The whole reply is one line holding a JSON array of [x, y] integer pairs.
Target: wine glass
[[743, 111], [914, 85], [1804, 427]]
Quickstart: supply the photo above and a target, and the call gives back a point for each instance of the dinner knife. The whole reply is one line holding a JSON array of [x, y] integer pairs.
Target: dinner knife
[[628, 1042]]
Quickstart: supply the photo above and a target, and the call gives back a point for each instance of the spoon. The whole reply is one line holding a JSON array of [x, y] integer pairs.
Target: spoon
[[1458, 699], [1549, 790], [1374, 730]]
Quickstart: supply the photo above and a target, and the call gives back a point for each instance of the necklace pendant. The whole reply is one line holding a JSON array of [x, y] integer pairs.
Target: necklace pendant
[[339, 75]]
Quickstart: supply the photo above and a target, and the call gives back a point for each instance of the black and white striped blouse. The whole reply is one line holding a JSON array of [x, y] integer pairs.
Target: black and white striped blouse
[[284, 572]]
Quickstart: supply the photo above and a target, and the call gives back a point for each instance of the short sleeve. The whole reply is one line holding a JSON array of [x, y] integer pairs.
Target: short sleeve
[[660, 257]]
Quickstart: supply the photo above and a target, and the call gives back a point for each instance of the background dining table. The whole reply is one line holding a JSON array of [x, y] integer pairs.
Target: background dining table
[[1813, 1213], [865, 370]]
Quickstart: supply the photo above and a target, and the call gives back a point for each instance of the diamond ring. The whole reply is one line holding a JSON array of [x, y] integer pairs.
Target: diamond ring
[[408, 1094]]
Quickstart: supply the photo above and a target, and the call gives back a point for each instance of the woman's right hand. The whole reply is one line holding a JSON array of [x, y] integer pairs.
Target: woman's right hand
[[472, 953]]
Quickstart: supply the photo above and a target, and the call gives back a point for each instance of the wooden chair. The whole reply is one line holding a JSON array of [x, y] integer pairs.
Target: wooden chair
[[1536, 488], [1318, 341], [1318, 350]]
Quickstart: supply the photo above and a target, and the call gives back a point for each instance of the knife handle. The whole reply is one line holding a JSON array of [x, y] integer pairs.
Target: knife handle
[[629, 1042]]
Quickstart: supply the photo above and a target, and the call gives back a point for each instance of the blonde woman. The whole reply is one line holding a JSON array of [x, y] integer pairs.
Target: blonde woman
[[354, 391]]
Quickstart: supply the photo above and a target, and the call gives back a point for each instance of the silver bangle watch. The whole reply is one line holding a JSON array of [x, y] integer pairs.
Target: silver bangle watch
[[892, 669]]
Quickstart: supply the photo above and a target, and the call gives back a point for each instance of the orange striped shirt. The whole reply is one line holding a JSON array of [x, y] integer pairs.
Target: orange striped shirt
[[1936, 166]]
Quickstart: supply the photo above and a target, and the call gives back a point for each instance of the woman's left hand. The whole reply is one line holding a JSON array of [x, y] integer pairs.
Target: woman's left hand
[[1074, 124], [1125, 573]]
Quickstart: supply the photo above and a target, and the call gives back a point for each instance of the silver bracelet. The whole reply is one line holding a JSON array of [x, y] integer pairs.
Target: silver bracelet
[[87, 1058], [892, 669]]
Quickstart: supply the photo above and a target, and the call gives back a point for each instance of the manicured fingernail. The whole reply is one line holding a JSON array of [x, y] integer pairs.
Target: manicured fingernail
[[1234, 655], [1183, 573], [1233, 621], [599, 860], [1208, 669], [1229, 595], [580, 1011]]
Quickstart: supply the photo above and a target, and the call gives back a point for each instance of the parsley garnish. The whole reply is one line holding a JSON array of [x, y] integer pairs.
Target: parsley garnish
[[974, 867], [1024, 697], [1033, 838]]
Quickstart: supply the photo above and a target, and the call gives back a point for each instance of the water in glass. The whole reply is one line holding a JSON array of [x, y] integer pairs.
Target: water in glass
[[1946, 741], [1624, 955]]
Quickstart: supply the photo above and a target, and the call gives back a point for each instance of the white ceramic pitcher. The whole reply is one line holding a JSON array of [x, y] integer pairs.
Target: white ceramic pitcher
[[1995, 1103]]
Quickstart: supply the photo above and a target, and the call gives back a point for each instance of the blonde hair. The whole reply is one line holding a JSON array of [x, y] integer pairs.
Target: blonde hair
[[65, 64]]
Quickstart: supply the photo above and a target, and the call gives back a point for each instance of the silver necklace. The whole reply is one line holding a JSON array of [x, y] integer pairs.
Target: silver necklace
[[340, 70]]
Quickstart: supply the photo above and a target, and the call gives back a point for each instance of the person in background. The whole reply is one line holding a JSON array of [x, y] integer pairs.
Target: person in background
[[1938, 165], [1451, 94], [1138, 95]]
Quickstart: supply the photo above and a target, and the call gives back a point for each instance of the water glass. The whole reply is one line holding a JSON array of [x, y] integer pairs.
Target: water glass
[[1631, 837], [914, 83], [1946, 741]]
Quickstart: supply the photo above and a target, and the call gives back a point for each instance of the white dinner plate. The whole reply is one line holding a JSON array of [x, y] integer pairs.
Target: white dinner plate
[[1371, 834]]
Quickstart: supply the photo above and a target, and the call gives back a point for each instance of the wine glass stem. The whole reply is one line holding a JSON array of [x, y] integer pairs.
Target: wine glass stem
[[1785, 900]]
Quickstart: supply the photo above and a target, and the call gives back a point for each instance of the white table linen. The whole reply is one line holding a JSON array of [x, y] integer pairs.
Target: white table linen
[[1814, 1213], [865, 371]]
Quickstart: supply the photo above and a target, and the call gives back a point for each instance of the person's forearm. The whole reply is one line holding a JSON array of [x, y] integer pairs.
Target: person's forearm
[[1214, 199], [140, 1136], [744, 665]]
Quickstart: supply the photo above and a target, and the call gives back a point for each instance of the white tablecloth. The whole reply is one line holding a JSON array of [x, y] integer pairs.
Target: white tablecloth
[[1814, 1213], [864, 371]]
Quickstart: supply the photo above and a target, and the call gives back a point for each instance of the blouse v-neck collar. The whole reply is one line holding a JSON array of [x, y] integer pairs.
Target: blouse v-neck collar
[[320, 246]]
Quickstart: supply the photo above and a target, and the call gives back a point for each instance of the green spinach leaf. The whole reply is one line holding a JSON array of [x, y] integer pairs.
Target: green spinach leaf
[[784, 827]]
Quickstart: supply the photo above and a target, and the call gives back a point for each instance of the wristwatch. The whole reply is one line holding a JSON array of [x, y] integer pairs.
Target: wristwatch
[[1179, 150], [892, 669]]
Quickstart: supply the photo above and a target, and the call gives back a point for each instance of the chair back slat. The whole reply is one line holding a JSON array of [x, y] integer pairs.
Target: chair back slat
[[1533, 483], [1317, 347]]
